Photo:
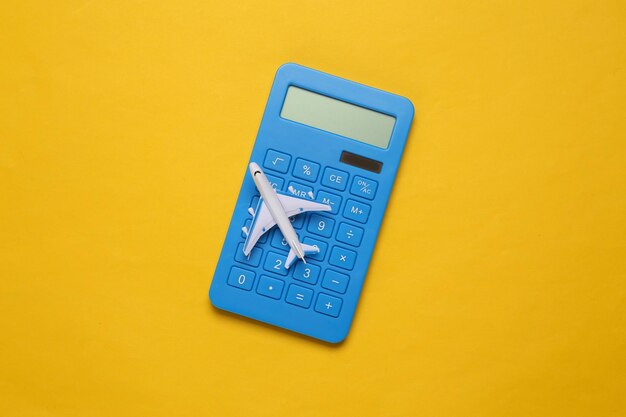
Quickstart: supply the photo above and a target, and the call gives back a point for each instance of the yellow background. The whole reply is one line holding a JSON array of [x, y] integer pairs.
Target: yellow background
[[498, 286]]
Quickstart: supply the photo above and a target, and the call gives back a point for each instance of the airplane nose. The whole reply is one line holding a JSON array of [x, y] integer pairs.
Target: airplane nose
[[254, 167]]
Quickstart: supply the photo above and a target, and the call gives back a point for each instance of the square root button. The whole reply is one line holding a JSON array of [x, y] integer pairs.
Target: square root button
[[277, 161], [328, 305]]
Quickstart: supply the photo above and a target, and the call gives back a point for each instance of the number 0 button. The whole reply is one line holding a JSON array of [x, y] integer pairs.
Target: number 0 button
[[241, 278]]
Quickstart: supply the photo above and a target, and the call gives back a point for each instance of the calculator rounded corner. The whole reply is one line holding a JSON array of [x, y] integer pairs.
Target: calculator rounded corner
[[337, 340], [408, 109], [287, 67]]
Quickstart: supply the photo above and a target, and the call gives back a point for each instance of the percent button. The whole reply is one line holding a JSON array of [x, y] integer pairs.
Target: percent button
[[306, 170]]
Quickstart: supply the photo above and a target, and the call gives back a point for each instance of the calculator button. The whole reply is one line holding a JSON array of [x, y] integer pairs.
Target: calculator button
[[334, 178], [241, 278], [321, 225], [297, 221], [306, 170], [308, 272], [343, 258], [300, 190], [334, 201], [277, 161], [299, 296], [253, 260], [328, 305], [349, 234], [278, 241], [270, 287], [321, 245], [276, 182], [275, 262], [335, 281], [363, 187], [356, 211]]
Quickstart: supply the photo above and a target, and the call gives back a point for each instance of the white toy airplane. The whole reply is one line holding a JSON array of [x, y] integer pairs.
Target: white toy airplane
[[275, 208]]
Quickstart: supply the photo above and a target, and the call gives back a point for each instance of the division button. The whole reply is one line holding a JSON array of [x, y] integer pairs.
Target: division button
[[349, 234]]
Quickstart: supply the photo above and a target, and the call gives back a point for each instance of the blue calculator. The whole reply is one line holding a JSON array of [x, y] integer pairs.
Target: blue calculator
[[330, 149]]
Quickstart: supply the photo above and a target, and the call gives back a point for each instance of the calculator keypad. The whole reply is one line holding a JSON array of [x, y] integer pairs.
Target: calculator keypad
[[319, 283]]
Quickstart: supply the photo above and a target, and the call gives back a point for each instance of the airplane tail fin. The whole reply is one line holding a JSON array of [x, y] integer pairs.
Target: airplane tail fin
[[308, 249]]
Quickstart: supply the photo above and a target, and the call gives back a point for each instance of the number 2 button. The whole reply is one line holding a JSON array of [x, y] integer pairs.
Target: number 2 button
[[275, 262]]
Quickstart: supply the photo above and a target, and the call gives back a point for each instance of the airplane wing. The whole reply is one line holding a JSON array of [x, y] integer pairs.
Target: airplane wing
[[261, 223], [297, 205]]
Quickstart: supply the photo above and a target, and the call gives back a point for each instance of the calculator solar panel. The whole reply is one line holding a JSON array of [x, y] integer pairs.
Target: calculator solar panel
[[328, 155]]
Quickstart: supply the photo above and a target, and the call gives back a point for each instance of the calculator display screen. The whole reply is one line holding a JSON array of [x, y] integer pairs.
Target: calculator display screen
[[338, 117]]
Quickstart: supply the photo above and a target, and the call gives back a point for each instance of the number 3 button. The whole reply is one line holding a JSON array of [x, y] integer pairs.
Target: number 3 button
[[308, 273]]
